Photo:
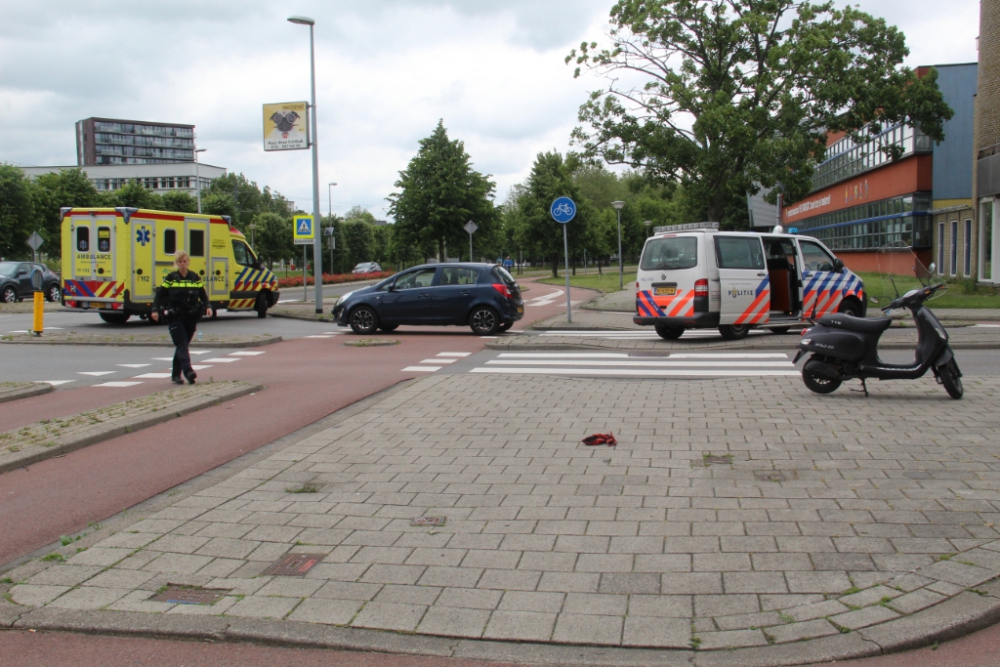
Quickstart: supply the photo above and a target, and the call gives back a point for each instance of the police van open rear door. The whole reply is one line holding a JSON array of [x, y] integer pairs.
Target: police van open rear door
[[746, 290]]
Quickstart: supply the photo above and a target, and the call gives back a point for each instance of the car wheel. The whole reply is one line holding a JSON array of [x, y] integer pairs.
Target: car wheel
[[667, 332], [364, 320], [115, 318], [53, 294], [849, 307], [505, 327], [734, 331], [9, 295], [484, 321], [951, 378]]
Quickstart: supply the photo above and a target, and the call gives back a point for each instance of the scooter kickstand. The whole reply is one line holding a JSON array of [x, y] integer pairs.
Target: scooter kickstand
[[864, 386]]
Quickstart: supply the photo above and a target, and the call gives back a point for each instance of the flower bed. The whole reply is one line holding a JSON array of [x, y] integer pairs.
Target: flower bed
[[334, 278]]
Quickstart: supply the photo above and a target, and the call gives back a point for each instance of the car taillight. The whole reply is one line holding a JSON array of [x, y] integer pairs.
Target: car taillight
[[503, 289], [701, 287]]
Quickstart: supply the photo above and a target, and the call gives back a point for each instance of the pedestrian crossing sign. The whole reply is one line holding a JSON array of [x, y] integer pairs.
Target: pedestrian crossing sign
[[304, 229]]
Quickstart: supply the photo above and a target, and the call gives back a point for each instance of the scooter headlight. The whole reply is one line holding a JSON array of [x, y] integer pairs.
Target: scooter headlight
[[806, 341]]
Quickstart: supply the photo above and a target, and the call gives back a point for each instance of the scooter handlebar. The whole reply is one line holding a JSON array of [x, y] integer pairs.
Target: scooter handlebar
[[914, 298]]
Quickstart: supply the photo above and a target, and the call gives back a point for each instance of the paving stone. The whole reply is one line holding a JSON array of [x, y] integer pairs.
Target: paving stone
[[469, 598], [532, 601], [630, 583], [731, 639], [65, 575], [588, 629], [915, 601], [862, 618], [453, 622], [329, 612], [263, 607], [570, 582], [520, 625], [794, 632], [693, 583], [958, 573], [724, 605], [661, 606], [36, 595], [89, 598], [588, 603]]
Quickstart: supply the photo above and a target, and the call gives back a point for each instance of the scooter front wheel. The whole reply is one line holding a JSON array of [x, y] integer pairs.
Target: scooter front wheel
[[821, 384], [951, 378]]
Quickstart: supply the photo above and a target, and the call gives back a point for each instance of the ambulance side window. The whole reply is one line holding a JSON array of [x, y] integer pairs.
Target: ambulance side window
[[814, 258], [196, 246], [169, 241], [739, 252], [104, 239], [241, 254], [82, 239]]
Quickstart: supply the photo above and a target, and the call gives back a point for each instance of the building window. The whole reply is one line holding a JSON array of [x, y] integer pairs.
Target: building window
[[986, 240], [940, 261], [953, 266], [967, 264]]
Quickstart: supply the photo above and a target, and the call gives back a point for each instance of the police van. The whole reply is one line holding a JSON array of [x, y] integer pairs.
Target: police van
[[113, 260], [696, 276]]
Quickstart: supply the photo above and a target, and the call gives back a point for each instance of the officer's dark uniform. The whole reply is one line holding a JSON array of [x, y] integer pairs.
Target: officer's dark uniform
[[180, 301]]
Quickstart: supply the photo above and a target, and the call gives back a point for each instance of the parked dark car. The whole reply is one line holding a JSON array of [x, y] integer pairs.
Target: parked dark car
[[483, 296], [16, 281], [367, 267]]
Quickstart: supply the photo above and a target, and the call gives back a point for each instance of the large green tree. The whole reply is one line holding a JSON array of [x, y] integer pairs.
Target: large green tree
[[16, 212], [54, 191], [727, 95], [440, 192]]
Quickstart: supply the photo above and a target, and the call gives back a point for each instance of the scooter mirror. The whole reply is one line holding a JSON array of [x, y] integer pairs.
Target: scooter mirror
[[932, 268], [873, 299]]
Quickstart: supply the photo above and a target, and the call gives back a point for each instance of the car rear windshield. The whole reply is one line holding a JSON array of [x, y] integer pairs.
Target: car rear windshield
[[503, 275], [670, 253]]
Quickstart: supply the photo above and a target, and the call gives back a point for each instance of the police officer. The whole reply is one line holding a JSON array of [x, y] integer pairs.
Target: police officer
[[181, 300]]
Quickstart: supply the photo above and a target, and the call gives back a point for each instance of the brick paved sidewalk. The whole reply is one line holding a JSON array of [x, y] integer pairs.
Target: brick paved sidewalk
[[733, 513]]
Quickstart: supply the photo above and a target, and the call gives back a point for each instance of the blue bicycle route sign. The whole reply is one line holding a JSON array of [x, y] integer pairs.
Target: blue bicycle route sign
[[563, 210]]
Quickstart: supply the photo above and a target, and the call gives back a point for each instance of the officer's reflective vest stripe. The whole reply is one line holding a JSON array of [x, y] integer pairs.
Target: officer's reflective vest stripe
[[183, 284]]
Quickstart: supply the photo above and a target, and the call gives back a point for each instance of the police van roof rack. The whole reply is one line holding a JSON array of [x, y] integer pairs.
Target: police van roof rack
[[686, 227]]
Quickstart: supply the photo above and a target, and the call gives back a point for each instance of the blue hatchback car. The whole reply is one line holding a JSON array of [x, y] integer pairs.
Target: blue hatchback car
[[483, 296]]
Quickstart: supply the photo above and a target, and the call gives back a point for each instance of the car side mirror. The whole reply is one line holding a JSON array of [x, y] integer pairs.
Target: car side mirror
[[838, 265]]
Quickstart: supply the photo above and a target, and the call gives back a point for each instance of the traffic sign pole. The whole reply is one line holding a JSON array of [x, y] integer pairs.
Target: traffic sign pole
[[569, 311], [562, 211]]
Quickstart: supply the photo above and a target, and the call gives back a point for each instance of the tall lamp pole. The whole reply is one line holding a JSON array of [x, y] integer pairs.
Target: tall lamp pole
[[197, 176], [329, 189], [332, 241], [619, 205], [649, 224], [317, 240]]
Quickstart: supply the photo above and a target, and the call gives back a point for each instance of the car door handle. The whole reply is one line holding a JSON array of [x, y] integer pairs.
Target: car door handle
[[425, 295], [761, 275], [466, 292]]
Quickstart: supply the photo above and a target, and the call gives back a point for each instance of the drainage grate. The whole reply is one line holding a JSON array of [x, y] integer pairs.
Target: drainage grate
[[178, 594], [294, 565], [428, 521], [769, 476]]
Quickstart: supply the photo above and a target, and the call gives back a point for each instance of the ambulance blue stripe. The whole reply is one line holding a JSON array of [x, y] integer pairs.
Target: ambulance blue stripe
[[86, 289], [239, 276]]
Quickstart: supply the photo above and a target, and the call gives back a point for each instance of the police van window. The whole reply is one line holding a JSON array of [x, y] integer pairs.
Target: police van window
[[241, 254], [814, 258], [739, 252], [103, 239], [169, 241], [196, 243], [676, 252], [82, 239]]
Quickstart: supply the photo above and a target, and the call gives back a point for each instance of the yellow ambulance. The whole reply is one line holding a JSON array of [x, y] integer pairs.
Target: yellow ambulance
[[113, 259]]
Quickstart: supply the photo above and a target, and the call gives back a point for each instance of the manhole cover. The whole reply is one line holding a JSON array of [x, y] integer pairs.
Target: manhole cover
[[769, 476], [177, 594], [294, 565], [428, 521]]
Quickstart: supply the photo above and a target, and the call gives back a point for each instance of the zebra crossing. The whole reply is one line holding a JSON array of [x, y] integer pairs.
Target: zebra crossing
[[621, 364]]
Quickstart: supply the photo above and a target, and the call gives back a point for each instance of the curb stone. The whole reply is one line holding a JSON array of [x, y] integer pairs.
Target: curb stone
[[107, 430], [11, 391], [164, 342]]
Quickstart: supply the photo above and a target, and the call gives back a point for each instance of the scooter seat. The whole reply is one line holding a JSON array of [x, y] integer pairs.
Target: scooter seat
[[874, 325]]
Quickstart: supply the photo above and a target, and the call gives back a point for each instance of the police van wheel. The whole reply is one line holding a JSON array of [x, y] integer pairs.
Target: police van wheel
[[849, 307], [364, 320], [115, 318], [667, 332], [734, 331]]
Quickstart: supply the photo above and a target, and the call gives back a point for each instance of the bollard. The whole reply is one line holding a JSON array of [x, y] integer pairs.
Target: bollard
[[39, 323]]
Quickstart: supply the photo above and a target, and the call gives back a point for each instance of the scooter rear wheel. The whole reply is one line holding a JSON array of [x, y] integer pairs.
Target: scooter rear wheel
[[951, 378], [816, 382]]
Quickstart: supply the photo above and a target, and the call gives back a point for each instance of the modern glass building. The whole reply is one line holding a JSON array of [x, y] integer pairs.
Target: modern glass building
[[101, 141]]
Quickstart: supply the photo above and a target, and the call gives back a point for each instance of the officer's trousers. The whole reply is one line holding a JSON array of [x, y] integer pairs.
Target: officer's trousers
[[181, 332]]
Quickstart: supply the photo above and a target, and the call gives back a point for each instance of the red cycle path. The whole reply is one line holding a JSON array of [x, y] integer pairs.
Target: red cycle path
[[306, 379]]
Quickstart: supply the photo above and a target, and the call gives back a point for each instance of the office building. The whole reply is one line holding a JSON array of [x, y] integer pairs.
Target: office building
[[160, 178], [110, 141]]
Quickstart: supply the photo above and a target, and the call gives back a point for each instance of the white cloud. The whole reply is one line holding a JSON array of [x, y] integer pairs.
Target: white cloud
[[386, 72]]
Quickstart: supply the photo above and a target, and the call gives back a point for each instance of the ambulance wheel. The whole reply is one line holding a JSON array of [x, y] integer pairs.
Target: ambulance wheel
[[115, 318], [818, 383], [849, 307], [364, 320], [9, 295], [261, 306], [54, 293], [734, 331], [667, 332]]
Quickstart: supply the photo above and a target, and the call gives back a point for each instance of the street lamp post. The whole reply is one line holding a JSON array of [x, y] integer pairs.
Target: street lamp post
[[317, 241], [619, 205], [197, 176], [649, 224], [329, 189], [329, 231]]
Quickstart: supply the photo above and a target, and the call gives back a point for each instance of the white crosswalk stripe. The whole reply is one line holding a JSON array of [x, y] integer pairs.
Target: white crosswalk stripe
[[623, 365]]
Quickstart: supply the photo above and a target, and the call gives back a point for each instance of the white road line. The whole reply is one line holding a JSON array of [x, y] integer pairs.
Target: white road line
[[54, 383], [317, 336], [201, 351], [626, 371], [453, 354], [95, 373], [245, 353], [162, 358], [199, 367], [421, 369], [438, 361], [221, 360], [730, 355], [118, 384], [153, 376], [647, 363], [992, 326], [133, 365], [562, 355]]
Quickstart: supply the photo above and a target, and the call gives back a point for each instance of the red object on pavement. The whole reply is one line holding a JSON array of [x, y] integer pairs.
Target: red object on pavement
[[600, 439]]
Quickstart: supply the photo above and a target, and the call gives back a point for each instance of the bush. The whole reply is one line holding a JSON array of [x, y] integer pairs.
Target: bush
[[334, 278]]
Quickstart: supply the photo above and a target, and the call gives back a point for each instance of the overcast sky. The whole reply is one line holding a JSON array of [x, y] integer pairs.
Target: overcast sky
[[386, 71]]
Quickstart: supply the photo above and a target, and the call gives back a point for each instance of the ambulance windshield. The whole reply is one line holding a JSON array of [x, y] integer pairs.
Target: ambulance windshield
[[670, 253]]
